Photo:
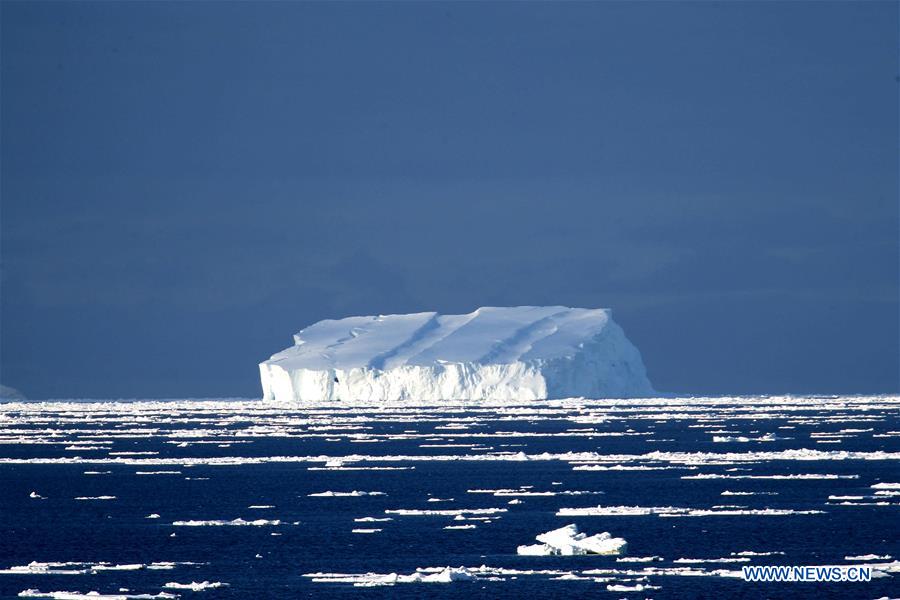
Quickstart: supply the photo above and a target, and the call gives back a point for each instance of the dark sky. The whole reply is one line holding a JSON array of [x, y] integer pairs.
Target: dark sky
[[184, 185]]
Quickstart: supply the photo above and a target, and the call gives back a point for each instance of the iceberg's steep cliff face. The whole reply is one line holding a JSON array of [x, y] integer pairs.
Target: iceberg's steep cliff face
[[506, 354]]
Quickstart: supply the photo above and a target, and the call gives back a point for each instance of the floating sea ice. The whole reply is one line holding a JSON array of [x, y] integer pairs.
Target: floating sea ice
[[92, 595], [221, 523], [365, 530], [869, 557], [885, 486], [49, 568], [152, 516], [80, 568], [430, 575], [470, 526], [36, 496], [414, 512], [798, 476], [95, 498], [691, 561], [354, 494], [568, 541], [769, 437], [194, 586], [676, 511], [639, 559], [639, 587]]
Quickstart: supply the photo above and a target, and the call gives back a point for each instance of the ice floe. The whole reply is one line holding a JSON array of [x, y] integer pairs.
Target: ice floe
[[638, 587], [415, 512], [568, 540], [442, 575], [233, 523], [31, 593], [674, 511], [195, 586], [352, 494]]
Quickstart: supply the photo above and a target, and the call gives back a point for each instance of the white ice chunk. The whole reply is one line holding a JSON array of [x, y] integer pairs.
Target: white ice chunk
[[195, 586], [232, 523], [568, 541]]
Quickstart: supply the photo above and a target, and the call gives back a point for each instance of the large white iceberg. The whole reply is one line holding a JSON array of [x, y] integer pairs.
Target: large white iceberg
[[506, 354]]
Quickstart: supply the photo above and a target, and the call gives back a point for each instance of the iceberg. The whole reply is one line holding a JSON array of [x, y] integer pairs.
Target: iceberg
[[508, 354], [568, 541]]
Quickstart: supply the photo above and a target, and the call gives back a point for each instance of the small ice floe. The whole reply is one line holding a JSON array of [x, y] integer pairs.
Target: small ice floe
[[372, 519], [756, 512], [769, 437], [365, 530], [730, 493], [869, 557], [413, 512], [676, 511], [233, 523], [36, 496], [157, 472], [752, 553], [261, 506], [639, 559], [80, 568], [693, 561], [97, 472], [638, 587], [108, 567], [614, 511], [626, 467], [95, 498], [195, 586], [353, 494], [799, 476], [515, 501], [885, 486], [427, 575], [48, 568], [469, 526], [440, 500], [92, 595], [568, 541], [526, 491], [570, 577], [152, 516]]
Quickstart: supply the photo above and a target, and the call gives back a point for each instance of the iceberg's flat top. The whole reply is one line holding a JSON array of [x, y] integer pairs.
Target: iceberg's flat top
[[488, 335]]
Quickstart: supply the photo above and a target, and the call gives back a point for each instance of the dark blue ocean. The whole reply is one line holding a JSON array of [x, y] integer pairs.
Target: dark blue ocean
[[134, 496]]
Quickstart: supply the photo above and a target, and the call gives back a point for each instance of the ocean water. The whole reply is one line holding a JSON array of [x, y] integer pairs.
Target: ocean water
[[127, 498]]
